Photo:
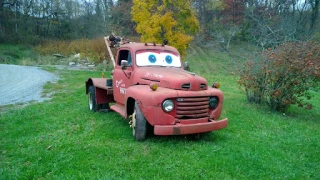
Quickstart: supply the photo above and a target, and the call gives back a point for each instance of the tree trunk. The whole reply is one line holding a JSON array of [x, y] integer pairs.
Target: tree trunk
[[315, 14]]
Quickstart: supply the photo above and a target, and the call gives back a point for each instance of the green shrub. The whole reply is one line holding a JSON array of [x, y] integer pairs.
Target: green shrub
[[282, 76], [12, 54]]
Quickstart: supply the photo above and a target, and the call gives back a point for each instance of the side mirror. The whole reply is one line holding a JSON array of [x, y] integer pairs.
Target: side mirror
[[186, 66], [124, 64]]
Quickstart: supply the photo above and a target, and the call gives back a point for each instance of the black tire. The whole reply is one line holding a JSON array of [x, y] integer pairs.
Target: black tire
[[140, 128], [105, 106], [92, 104]]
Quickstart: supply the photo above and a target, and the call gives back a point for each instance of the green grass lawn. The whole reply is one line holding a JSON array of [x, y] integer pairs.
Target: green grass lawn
[[62, 139]]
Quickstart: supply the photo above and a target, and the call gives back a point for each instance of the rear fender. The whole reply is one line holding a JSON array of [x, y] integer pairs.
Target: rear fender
[[89, 83], [104, 94]]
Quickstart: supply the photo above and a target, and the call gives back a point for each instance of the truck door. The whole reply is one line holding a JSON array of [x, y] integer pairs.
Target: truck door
[[122, 75]]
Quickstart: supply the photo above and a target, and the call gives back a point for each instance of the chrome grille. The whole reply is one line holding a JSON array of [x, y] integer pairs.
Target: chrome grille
[[192, 107]]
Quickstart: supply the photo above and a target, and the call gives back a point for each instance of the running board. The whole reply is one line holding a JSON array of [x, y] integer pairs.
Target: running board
[[119, 108]]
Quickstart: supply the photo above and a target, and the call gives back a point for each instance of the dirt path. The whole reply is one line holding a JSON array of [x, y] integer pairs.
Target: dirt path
[[20, 84]]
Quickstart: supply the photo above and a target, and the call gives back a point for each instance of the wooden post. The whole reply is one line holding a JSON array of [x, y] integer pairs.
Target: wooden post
[[106, 40]]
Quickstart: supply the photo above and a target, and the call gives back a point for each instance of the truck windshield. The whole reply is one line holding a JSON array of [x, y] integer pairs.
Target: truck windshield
[[157, 58]]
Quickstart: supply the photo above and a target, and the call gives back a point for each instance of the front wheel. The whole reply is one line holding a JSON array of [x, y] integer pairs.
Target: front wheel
[[139, 124]]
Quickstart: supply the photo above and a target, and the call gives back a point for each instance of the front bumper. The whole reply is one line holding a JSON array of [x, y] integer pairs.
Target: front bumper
[[180, 129]]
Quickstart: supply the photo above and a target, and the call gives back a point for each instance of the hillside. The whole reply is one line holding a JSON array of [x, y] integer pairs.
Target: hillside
[[61, 139]]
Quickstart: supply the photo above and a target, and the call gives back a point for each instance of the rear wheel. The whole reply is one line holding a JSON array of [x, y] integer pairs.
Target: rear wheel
[[139, 124], [92, 104]]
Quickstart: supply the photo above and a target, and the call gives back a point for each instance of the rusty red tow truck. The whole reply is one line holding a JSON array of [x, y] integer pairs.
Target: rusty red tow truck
[[153, 90]]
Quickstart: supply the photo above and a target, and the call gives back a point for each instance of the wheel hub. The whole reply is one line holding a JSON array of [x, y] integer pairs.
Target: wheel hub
[[133, 123]]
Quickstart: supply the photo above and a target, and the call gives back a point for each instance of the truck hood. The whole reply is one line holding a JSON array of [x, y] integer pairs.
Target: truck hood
[[173, 78]]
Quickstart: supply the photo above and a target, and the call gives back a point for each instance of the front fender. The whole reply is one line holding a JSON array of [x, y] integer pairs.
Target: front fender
[[150, 102], [147, 96]]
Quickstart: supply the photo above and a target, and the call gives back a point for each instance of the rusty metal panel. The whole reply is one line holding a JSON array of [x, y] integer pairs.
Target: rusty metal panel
[[180, 129], [102, 96]]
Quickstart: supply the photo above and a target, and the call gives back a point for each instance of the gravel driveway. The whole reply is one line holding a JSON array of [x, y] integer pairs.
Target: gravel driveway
[[22, 83]]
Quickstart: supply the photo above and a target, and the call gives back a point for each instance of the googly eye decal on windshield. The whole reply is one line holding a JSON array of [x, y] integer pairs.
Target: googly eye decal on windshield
[[157, 58], [152, 58], [168, 59]]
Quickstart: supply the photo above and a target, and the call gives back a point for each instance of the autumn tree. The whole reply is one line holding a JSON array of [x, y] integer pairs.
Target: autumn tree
[[230, 23], [220, 20], [121, 22], [173, 20]]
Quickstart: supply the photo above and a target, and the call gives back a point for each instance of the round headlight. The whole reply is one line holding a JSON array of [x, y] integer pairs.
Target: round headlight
[[213, 102], [167, 105]]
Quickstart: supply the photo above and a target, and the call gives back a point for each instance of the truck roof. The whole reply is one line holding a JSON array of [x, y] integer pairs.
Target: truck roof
[[142, 46]]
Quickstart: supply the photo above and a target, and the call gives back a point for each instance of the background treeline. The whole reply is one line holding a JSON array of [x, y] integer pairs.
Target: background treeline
[[32, 21], [265, 23]]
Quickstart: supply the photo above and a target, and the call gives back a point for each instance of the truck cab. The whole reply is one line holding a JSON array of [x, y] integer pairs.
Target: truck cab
[[152, 90]]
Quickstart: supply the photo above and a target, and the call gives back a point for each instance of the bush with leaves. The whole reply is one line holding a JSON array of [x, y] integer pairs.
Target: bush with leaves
[[282, 76]]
